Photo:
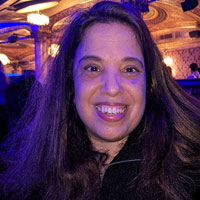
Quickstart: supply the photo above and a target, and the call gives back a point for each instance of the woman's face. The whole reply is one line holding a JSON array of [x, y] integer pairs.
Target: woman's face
[[110, 82]]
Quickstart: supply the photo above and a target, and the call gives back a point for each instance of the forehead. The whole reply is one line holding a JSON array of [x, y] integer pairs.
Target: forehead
[[104, 27], [113, 30], [109, 41]]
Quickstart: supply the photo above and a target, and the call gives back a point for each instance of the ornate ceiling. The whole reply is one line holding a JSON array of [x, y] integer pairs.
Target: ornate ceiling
[[169, 25]]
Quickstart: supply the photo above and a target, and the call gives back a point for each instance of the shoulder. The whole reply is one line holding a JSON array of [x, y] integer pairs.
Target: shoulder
[[191, 76]]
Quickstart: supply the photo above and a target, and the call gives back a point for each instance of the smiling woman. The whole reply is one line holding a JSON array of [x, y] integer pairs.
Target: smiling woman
[[110, 123], [110, 83]]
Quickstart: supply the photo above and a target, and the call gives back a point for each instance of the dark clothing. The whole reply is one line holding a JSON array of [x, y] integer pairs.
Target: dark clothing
[[120, 173], [122, 170]]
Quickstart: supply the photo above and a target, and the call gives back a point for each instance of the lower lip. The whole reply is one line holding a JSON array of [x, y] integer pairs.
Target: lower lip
[[111, 118]]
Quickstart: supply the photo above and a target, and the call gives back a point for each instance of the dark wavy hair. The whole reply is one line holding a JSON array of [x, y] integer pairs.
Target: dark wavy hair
[[194, 67], [50, 152]]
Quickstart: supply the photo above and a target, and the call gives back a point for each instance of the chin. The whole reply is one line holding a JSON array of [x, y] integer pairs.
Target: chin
[[112, 139]]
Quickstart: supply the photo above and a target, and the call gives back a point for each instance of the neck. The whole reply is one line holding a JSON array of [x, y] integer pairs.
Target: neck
[[110, 148]]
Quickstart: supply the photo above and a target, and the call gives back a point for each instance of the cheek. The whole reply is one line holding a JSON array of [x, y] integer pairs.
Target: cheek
[[83, 93], [137, 87], [142, 93], [142, 90], [85, 88], [78, 100], [138, 95], [142, 98], [82, 102]]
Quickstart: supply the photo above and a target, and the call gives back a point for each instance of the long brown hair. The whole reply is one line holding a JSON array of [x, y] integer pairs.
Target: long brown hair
[[50, 148]]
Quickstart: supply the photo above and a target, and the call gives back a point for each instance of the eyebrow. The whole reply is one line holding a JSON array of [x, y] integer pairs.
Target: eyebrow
[[126, 59], [133, 59], [94, 58]]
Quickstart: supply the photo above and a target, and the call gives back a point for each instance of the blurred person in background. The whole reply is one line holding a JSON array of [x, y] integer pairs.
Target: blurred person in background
[[194, 71], [16, 95]]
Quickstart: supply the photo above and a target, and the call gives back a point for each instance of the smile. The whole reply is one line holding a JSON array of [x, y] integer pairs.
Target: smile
[[111, 110]]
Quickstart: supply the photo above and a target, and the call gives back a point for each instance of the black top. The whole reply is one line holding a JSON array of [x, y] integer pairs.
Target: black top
[[118, 176], [122, 170]]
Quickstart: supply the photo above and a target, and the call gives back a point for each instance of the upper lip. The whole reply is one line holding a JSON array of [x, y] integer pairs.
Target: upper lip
[[111, 104]]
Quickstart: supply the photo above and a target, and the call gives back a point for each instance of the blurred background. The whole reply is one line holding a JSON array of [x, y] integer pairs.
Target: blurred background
[[30, 30], [27, 40]]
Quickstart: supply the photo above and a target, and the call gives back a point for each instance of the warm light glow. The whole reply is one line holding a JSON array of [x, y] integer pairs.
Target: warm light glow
[[53, 50], [173, 72], [4, 59], [39, 6], [39, 19], [168, 61], [86, 1]]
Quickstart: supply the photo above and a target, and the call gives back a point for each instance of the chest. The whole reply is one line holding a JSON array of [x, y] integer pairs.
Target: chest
[[118, 184]]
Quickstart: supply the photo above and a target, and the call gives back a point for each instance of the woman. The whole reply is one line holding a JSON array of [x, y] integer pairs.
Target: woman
[[110, 122]]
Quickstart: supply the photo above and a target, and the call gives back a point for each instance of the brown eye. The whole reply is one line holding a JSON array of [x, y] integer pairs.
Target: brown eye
[[92, 68], [130, 70]]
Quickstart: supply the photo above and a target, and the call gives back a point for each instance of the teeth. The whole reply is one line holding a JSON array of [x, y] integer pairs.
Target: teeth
[[110, 110], [105, 109]]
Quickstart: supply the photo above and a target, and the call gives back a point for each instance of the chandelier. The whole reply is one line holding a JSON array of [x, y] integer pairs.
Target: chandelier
[[37, 18]]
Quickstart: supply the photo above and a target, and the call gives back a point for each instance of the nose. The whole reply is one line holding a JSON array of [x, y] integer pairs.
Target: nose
[[111, 84]]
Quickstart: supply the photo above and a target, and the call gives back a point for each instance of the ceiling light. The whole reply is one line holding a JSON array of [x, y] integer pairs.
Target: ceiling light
[[4, 59], [168, 61], [39, 19], [53, 50], [31, 6]]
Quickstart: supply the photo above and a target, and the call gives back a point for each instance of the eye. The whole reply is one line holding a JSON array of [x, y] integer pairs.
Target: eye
[[130, 70], [92, 68]]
